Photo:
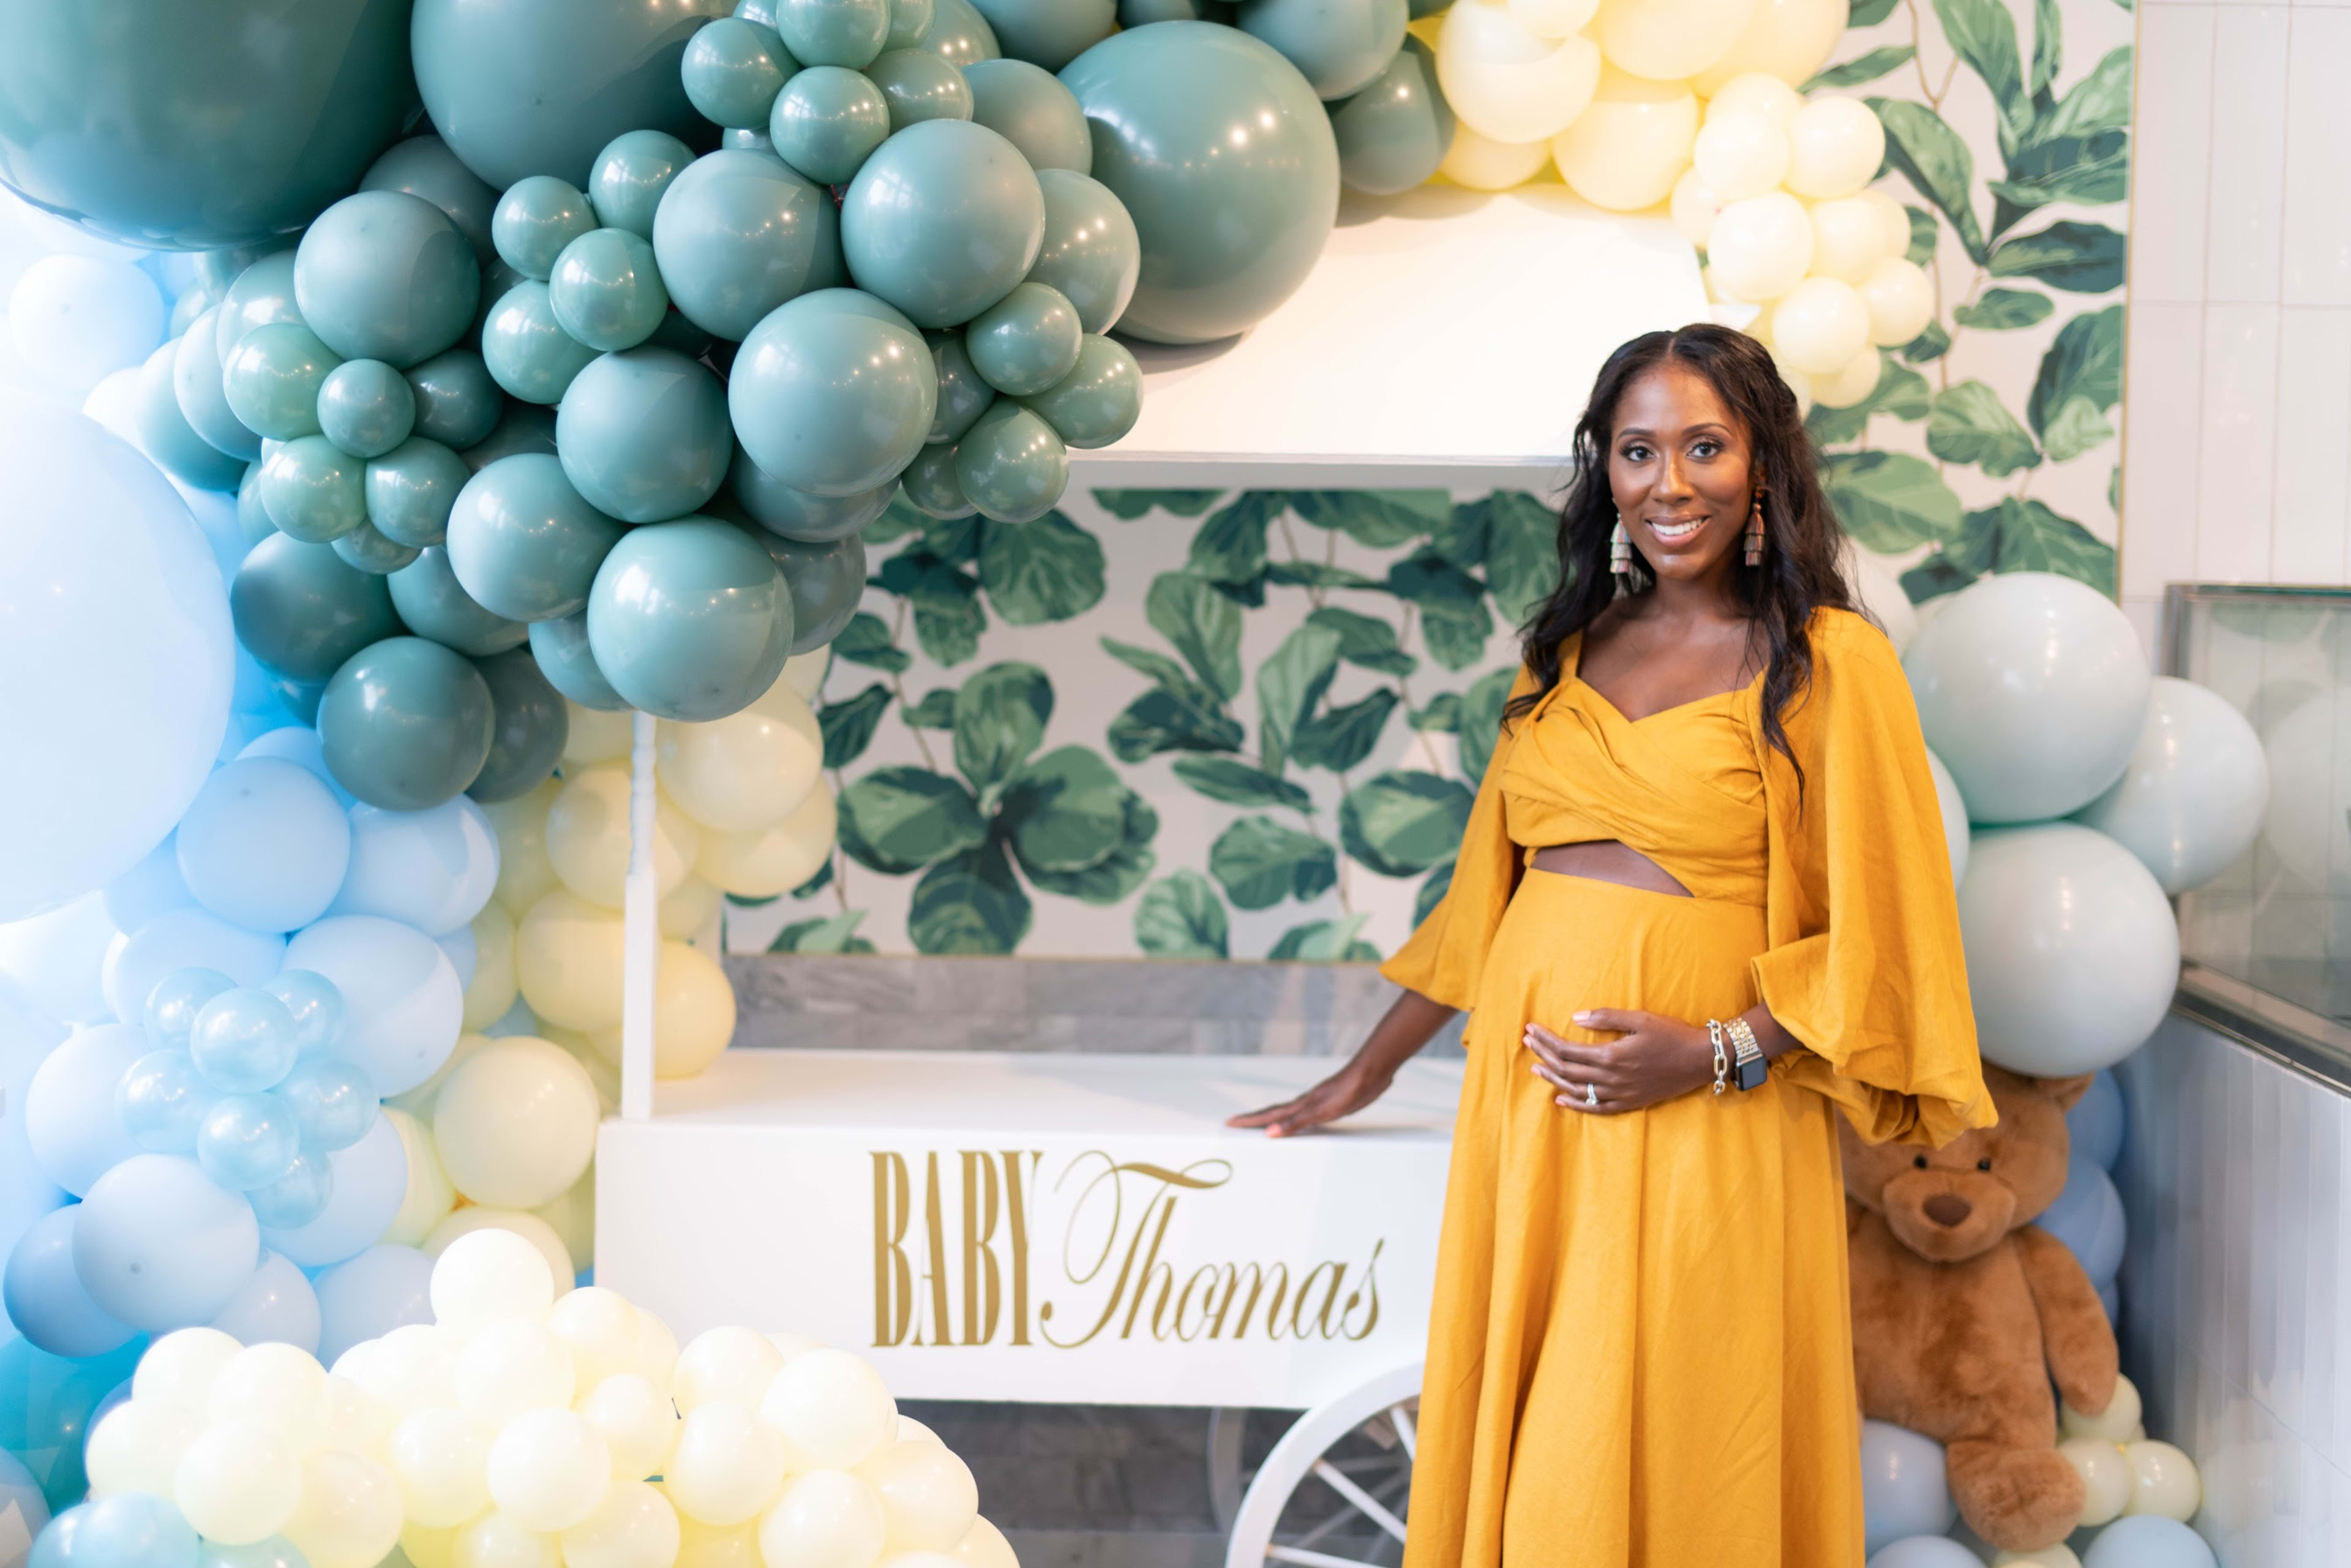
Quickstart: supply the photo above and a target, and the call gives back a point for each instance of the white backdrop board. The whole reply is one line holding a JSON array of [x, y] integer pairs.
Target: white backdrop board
[[1034, 1227]]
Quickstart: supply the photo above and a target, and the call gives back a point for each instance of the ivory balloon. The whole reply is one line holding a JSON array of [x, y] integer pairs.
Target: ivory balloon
[[1751, 92], [723, 1545], [1694, 206], [587, 838], [1739, 155], [2105, 1475], [693, 1013], [686, 913], [516, 1123], [2112, 1425], [1630, 144], [1835, 147], [638, 1424], [2193, 800], [1820, 325], [1856, 380], [929, 1500], [1482, 163], [1848, 239], [529, 1229], [441, 1457], [1505, 83], [497, 1539], [239, 1483], [828, 1517], [273, 1384], [137, 1447], [525, 874], [746, 770], [832, 1409], [179, 1368], [722, 1363], [1667, 40], [491, 993], [1787, 40], [1553, 18], [1901, 301], [350, 1513], [2163, 1481], [568, 962], [1761, 247], [596, 736], [600, 1328], [511, 1368], [489, 1277], [634, 1527], [548, 1470], [726, 1464], [767, 862], [983, 1546]]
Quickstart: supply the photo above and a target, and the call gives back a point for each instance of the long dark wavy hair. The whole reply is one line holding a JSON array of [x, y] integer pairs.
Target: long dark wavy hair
[[1799, 571]]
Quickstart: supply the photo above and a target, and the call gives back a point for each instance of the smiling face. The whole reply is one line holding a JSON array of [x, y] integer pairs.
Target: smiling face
[[1680, 468]]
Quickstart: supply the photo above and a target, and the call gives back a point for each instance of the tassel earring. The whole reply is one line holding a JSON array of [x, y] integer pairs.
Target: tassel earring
[[1755, 532], [1620, 552]]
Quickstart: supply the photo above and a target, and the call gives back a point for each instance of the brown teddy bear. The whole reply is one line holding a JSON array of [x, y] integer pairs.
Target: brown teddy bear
[[1963, 1311]]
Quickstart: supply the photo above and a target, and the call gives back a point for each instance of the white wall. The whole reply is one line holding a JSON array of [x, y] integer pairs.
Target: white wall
[[2237, 455]]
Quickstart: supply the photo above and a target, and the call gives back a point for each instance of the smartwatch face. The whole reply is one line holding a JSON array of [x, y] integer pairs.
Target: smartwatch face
[[1751, 1073]]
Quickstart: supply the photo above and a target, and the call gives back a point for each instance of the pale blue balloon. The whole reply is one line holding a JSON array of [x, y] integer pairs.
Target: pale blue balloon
[[799, 514], [121, 1530], [247, 1141], [196, 381], [27, 1037], [536, 219], [384, 1288], [2088, 1218], [277, 1306], [371, 1180], [21, 1491], [1049, 33], [265, 845], [465, 955], [297, 744], [425, 166], [2110, 1297], [2097, 1122], [165, 434], [733, 70], [942, 221], [845, 33], [1924, 1552], [46, 1404], [296, 1198], [162, 1100], [155, 884], [277, 1552], [159, 1246], [44, 1297], [180, 939], [71, 1122], [1904, 1489], [316, 1004], [332, 1101], [1028, 107], [2148, 1541], [738, 234], [174, 1002], [244, 1042], [643, 435]]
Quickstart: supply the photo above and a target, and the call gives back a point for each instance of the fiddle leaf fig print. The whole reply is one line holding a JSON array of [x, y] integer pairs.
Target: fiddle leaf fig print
[[1889, 501], [999, 716], [1452, 605], [1968, 426], [1365, 640], [1342, 738], [1180, 916], [1229, 547], [848, 726], [866, 640], [1868, 67], [1133, 503], [1325, 942], [1046, 570], [1117, 874], [2081, 378], [1379, 518], [971, 904], [835, 934], [1400, 823], [1289, 684], [1260, 863], [898, 819], [1201, 625], [1237, 783], [1065, 811], [1930, 155], [936, 711], [2004, 310]]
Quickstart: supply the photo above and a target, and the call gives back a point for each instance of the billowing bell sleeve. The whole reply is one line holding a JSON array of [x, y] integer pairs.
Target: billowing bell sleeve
[[1445, 957], [1865, 967]]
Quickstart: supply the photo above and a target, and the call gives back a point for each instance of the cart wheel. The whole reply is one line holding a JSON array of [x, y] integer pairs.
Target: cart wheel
[[1331, 1493]]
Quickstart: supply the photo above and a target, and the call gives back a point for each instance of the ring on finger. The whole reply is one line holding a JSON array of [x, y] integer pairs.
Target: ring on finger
[[1592, 1093]]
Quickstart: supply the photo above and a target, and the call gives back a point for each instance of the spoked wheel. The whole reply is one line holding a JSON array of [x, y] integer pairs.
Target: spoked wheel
[[1331, 1493]]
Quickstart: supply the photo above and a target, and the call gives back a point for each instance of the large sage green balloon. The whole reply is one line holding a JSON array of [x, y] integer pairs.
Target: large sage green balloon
[[800, 514], [271, 379], [826, 581], [930, 483], [829, 400], [410, 489], [1028, 107], [1339, 46], [606, 290], [909, 20], [643, 435], [457, 403], [570, 665], [366, 407], [827, 121], [959, 35], [540, 87], [1395, 131], [313, 489], [524, 543], [433, 603], [856, 302], [386, 276], [260, 294], [1099, 401], [165, 434], [689, 620], [1092, 253], [1049, 33], [1224, 156], [536, 219], [733, 70], [524, 427], [370, 550], [1026, 342], [738, 233], [197, 383], [424, 166], [527, 350], [920, 86], [528, 726], [942, 221], [406, 723], [1010, 464], [197, 126], [846, 33], [301, 610]]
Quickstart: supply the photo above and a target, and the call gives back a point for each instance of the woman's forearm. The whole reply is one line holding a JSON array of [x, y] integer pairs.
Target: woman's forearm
[[1770, 1033], [1410, 1022]]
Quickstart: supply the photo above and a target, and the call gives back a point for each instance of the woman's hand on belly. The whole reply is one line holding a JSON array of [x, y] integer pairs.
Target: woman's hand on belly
[[1654, 1059]]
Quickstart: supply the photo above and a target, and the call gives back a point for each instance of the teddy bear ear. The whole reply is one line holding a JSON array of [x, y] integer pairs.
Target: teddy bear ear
[[2066, 1091]]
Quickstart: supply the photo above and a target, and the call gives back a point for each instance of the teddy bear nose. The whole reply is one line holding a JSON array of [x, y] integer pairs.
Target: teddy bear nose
[[1944, 1208]]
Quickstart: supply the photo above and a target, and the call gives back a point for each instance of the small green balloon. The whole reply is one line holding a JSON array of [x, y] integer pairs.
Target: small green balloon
[[606, 290], [848, 33], [1099, 401], [301, 610], [410, 489], [424, 167], [827, 121], [826, 581], [1026, 342], [1092, 253], [680, 336], [313, 490], [252, 517], [830, 400], [799, 514], [733, 70], [536, 219], [626, 185], [855, 302], [528, 726], [1010, 464], [527, 350], [524, 427], [524, 543], [909, 20], [386, 276], [366, 407], [457, 403], [959, 35], [165, 434], [920, 86], [739, 232], [1339, 46], [198, 386], [570, 665], [942, 221], [498, 280], [1028, 107], [367, 549], [643, 435], [1050, 32], [271, 379], [406, 723], [262, 293], [690, 620], [930, 483], [433, 603], [1397, 131], [963, 395]]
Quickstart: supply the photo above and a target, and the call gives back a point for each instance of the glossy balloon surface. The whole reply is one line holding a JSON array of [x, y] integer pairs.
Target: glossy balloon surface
[[313, 490], [536, 219], [827, 121], [457, 403], [801, 514], [524, 543], [1339, 46], [2191, 800], [1049, 33], [689, 620], [271, 379], [366, 407], [528, 726], [831, 400], [918, 86], [433, 604], [1904, 1489], [301, 610], [1026, 342], [1099, 401], [959, 35], [570, 664], [1396, 131], [942, 221], [738, 233], [643, 435], [606, 290], [1011, 464], [1028, 107], [386, 276], [406, 723], [931, 486], [826, 582], [733, 70], [409, 489], [963, 396], [424, 166], [631, 176], [527, 350], [845, 33]]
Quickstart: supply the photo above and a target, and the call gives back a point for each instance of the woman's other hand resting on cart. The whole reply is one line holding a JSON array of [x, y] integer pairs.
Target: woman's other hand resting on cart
[[1395, 1040]]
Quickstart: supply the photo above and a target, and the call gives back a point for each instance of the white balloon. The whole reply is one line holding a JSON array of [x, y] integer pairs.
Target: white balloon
[[511, 1367], [2192, 799], [1630, 144], [1955, 835], [183, 939], [1895, 219], [179, 1368], [1835, 147], [413, 1367], [239, 1482], [634, 1527], [60, 957], [264, 845], [548, 1470], [350, 1513], [1786, 41], [273, 1384], [827, 1518], [137, 1447], [832, 1407], [527, 1227], [78, 319], [1821, 325], [805, 673], [1847, 387], [2163, 1481], [638, 1424], [2112, 1425], [1740, 155], [1751, 92], [726, 1464], [1482, 163], [1759, 248], [596, 735], [929, 1500], [1901, 300], [2105, 1473], [1667, 40], [724, 1364], [429, 1196], [1848, 239], [1505, 83], [600, 1328], [489, 1276], [1694, 207], [497, 1539], [403, 1008], [492, 989], [1553, 19], [985, 1547], [431, 869]]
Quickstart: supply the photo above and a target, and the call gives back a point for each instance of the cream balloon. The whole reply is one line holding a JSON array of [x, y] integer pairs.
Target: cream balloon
[[497, 1539], [273, 1384], [516, 1123], [355, 1419], [572, 1215], [239, 1482], [639, 1426], [1553, 19], [718, 1545], [829, 1519], [1797, 380], [656, 1351], [687, 912], [584, 1051], [1668, 40], [596, 735], [1694, 207], [722, 1363], [492, 990], [1760, 248], [1849, 385], [767, 863], [1751, 92], [137, 1447], [599, 1328], [1505, 83], [430, 1196], [2163, 1481], [2105, 1473], [179, 1368], [568, 962], [1835, 147], [1788, 40], [548, 1470], [744, 770], [634, 1527], [511, 1368], [929, 1500], [350, 1513], [983, 1547], [418, 1101], [910, 1430], [726, 1464], [1740, 155], [413, 1367], [1895, 219], [2112, 1425], [833, 1409], [489, 1276], [525, 873], [1901, 301], [1482, 163], [1625, 150], [1819, 326], [920, 1557], [805, 673], [1848, 239], [693, 1013], [588, 838], [426, 1547], [440, 1459]]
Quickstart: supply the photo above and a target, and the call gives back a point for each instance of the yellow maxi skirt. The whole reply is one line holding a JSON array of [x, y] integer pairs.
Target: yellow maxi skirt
[[1640, 1351]]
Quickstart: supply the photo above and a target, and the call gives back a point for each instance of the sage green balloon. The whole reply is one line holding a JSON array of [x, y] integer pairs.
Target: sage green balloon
[[165, 434], [1026, 342], [643, 435], [920, 86], [457, 403], [626, 185], [261, 294], [424, 166], [386, 276], [313, 489], [690, 620], [963, 395], [183, 127], [676, 333], [540, 87], [738, 233], [367, 549], [607, 291], [406, 723], [942, 221], [909, 20], [524, 427], [847, 33], [1028, 107], [757, 140], [856, 302], [930, 483], [410, 489], [528, 725], [1010, 464], [827, 121], [1339, 46], [1099, 401], [570, 665], [800, 514], [498, 280], [1049, 33], [301, 610], [1224, 157], [524, 543], [252, 517], [959, 35], [366, 407], [1397, 131], [271, 379], [536, 219], [733, 70], [830, 400], [763, 12], [433, 604], [826, 581], [527, 350], [197, 383], [1092, 253]]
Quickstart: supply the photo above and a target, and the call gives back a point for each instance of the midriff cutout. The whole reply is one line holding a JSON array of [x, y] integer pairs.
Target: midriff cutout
[[1608, 860]]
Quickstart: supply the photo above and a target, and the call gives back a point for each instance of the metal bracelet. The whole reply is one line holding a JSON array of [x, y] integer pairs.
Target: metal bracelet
[[1751, 1069], [1722, 1058]]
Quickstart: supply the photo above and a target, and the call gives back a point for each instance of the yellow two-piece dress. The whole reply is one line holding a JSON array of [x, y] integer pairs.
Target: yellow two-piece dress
[[1640, 1349]]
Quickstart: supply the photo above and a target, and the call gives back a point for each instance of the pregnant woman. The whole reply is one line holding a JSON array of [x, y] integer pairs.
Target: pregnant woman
[[1702, 906]]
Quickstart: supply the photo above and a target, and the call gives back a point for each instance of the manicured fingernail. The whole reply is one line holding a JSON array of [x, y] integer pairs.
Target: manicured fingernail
[[1583, 1020], [1561, 1099]]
